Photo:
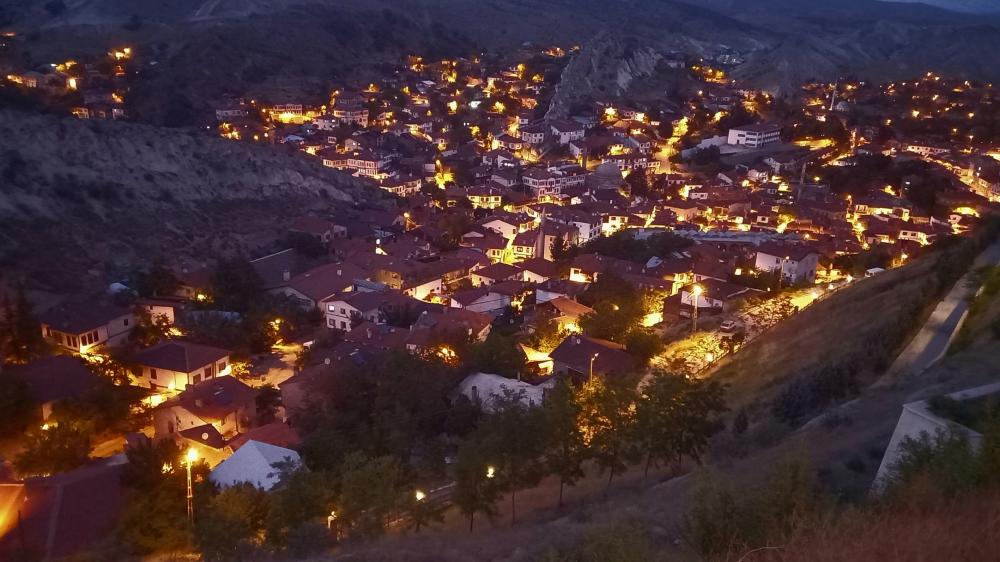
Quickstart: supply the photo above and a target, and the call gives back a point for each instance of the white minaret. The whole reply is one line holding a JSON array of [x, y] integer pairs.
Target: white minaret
[[833, 95]]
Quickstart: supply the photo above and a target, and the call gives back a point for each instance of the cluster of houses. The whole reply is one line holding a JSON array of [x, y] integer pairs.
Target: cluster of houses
[[94, 85], [467, 125], [491, 199]]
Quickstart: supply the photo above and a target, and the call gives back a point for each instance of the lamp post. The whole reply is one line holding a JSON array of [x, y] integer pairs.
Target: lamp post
[[696, 290], [192, 456], [591, 374], [781, 275]]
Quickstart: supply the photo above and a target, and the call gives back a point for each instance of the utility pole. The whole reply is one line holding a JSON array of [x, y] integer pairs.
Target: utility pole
[[192, 456]]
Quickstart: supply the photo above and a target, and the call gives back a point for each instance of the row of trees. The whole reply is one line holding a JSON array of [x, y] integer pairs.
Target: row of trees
[[619, 311], [608, 424], [378, 434]]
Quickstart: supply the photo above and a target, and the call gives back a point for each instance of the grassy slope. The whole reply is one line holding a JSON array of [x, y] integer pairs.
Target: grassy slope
[[960, 531], [848, 322]]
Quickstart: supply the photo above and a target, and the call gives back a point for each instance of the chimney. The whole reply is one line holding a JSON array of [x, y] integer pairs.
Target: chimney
[[340, 272], [198, 402], [286, 275]]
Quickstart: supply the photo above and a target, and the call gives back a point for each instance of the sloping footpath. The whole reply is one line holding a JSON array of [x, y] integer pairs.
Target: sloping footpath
[[937, 333]]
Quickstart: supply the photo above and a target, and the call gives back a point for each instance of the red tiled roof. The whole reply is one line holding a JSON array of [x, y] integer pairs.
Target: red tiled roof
[[214, 398], [179, 356], [576, 351], [277, 434], [325, 280]]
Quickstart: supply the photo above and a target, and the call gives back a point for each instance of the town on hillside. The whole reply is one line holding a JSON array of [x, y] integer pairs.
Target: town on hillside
[[534, 253]]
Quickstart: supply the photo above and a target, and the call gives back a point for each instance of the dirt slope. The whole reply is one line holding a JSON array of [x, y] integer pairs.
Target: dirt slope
[[93, 197]]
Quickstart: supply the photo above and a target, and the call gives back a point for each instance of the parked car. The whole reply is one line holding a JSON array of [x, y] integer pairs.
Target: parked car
[[730, 328]]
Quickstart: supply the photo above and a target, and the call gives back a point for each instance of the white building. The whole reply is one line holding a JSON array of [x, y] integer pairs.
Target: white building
[[566, 131], [755, 136], [795, 263], [254, 463], [483, 389]]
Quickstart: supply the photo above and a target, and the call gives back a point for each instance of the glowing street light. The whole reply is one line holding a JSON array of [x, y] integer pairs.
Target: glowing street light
[[592, 357], [490, 472], [419, 495], [696, 290]]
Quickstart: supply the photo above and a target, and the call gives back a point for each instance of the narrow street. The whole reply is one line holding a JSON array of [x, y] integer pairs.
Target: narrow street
[[933, 339]]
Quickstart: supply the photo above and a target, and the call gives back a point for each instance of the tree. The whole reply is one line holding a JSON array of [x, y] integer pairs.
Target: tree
[[476, 487], [515, 430], [498, 354], [566, 448], [233, 519], [301, 498], [159, 280], [618, 308], [702, 401], [370, 491], [55, 449], [306, 244], [643, 344], [267, 401], [638, 183], [154, 516], [606, 418], [706, 156], [675, 416], [150, 330], [22, 333], [560, 248], [235, 285], [104, 405], [547, 335], [423, 511], [17, 410]]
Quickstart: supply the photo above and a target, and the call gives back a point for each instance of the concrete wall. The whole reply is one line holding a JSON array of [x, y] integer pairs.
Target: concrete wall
[[917, 420]]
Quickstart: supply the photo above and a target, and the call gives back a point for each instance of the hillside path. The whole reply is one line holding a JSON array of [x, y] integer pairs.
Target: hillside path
[[933, 339]]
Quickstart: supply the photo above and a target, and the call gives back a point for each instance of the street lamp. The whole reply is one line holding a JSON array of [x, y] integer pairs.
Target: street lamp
[[490, 472], [696, 290], [781, 275], [591, 374], [419, 495], [192, 456]]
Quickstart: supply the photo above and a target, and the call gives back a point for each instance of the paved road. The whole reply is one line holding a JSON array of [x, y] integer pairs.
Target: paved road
[[931, 342]]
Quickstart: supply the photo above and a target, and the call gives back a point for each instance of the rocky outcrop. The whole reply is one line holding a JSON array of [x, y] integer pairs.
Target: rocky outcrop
[[605, 68]]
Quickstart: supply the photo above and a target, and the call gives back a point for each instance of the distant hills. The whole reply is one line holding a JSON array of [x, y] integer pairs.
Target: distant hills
[[968, 6], [297, 48]]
